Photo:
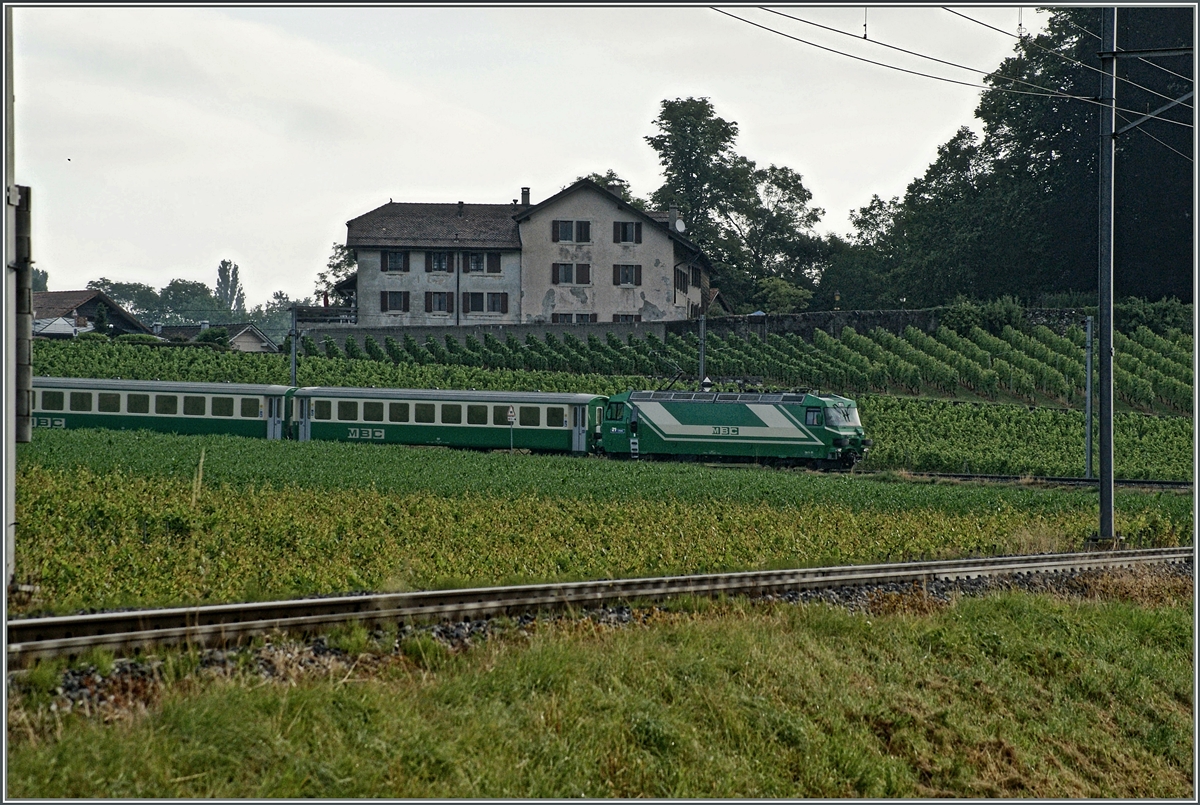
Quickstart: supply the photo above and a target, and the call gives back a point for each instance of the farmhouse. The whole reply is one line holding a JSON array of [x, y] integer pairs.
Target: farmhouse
[[582, 255], [65, 314]]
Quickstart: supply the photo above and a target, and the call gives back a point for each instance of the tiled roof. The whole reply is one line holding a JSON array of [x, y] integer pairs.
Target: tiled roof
[[53, 304], [410, 225], [177, 332]]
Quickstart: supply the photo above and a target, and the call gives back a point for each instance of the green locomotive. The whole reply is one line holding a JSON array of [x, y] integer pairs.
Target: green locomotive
[[822, 431], [791, 429]]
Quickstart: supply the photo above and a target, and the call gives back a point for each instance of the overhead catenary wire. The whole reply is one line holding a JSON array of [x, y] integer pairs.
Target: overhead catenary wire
[[1062, 95], [1152, 137], [1140, 58], [922, 55], [1060, 55]]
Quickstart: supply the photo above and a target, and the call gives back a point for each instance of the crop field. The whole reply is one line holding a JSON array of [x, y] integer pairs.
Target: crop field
[[1152, 372], [1009, 695], [108, 518]]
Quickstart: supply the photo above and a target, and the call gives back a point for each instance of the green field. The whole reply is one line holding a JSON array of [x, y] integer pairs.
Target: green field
[[109, 518], [1010, 695]]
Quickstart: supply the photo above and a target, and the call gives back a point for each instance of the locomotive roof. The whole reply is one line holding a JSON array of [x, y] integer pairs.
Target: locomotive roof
[[719, 397], [528, 397], [162, 387]]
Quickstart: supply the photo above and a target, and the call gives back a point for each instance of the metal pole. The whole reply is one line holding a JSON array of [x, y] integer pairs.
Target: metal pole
[[9, 325], [24, 319], [1108, 33], [700, 385], [293, 337], [1087, 416]]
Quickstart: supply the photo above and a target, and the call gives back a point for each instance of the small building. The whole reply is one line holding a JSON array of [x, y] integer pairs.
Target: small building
[[582, 255], [65, 314], [244, 337]]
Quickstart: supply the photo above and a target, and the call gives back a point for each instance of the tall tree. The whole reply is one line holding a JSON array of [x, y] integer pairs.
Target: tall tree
[[138, 298], [342, 263], [229, 290], [615, 183], [40, 280]]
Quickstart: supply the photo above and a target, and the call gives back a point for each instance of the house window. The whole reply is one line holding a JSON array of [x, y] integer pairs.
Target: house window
[[584, 318], [627, 275], [695, 276], [497, 303], [493, 262], [439, 302], [393, 301], [472, 303], [438, 261], [571, 231], [393, 261], [474, 262], [571, 274], [681, 281], [627, 232], [627, 318]]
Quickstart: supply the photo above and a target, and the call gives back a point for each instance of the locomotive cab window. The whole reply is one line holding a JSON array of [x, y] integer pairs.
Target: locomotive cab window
[[137, 404], [251, 407], [108, 403], [812, 416], [52, 400], [397, 412], [476, 414], [222, 406], [322, 409], [372, 412], [556, 417], [615, 411], [843, 417], [166, 404], [81, 401]]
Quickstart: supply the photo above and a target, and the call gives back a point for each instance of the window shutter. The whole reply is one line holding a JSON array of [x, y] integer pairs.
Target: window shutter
[[583, 231], [554, 273], [593, 317], [428, 300], [583, 273], [383, 308], [616, 231], [637, 232], [383, 260], [554, 231], [493, 262], [404, 261], [616, 275], [637, 317], [637, 275], [428, 262], [405, 299], [466, 308], [450, 262], [449, 303], [503, 303]]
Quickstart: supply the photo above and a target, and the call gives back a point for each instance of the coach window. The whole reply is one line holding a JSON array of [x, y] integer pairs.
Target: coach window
[[531, 416], [108, 403], [251, 406], [476, 414], [137, 404], [499, 414], [397, 412], [194, 406], [812, 416], [222, 406], [322, 409], [52, 400], [451, 414], [373, 412], [81, 401], [166, 404], [347, 411], [424, 412], [556, 417]]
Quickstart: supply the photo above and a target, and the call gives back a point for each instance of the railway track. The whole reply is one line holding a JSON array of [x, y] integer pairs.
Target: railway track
[[122, 631], [1050, 479]]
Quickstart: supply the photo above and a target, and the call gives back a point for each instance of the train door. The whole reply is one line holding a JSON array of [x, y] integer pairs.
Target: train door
[[305, 420], [579, 428], [274, 417]]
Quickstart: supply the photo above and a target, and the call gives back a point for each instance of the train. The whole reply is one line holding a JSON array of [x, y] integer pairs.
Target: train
[[801, 428]]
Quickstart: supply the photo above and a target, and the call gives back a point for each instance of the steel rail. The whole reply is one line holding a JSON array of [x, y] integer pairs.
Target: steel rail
[[203, 625], [1046, 479]]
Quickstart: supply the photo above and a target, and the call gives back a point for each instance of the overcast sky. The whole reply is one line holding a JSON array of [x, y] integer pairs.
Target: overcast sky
[[160, 141]]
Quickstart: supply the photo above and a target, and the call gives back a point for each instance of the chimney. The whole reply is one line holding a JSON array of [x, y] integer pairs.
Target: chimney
[[203, 326], [673, 216], [460, 206], [157, 327], [525, 196]]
